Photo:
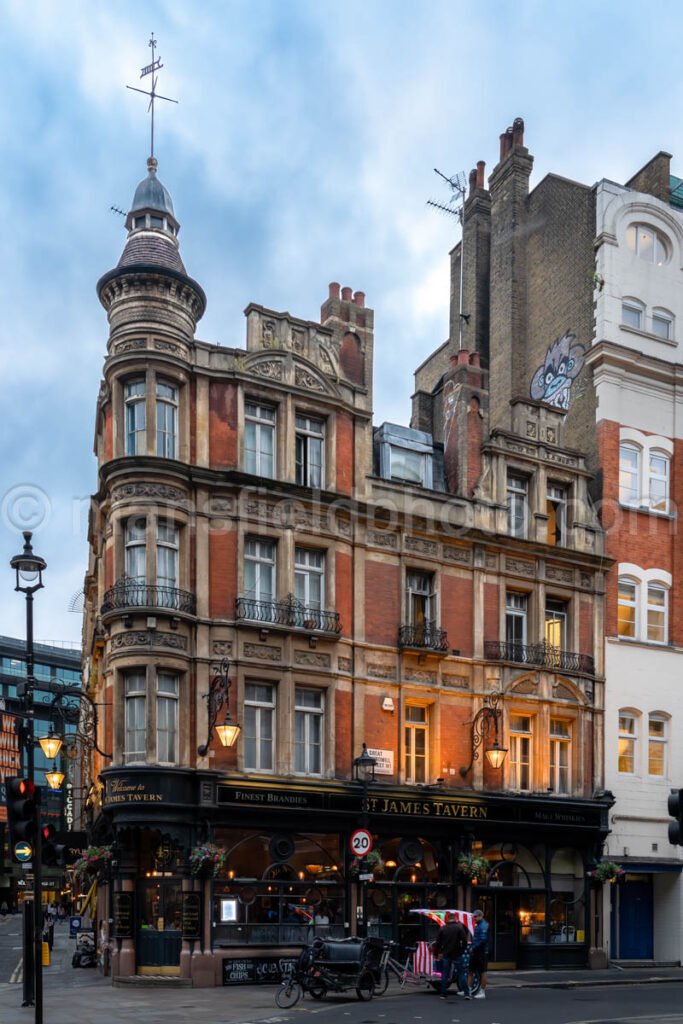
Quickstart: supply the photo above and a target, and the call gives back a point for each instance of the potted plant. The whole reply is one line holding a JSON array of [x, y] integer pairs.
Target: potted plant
[[473, 869], [207, 859], [607, 871]]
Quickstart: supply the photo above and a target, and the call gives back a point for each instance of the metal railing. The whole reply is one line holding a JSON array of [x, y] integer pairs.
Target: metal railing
[[541, 655], [426, 636], [129, 593], [288, 612]]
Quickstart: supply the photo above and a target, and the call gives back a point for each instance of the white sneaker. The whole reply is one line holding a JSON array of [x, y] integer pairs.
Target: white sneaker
[[480, 995]]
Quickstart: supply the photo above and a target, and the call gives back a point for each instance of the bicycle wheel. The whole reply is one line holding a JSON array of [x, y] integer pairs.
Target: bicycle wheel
[[381, 979], [288, 994], [318, 990], [476, 983], [365, 989]]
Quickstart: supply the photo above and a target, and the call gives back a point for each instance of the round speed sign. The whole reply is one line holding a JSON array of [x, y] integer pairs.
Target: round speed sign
[[361, 842]]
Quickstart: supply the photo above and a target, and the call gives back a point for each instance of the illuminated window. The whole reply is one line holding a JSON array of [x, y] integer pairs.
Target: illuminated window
[[520, 752], [560, 739], [627, 744], [556, 508], [657, 609], [556, 623], [656, 746], [416, 729], [627, 620]]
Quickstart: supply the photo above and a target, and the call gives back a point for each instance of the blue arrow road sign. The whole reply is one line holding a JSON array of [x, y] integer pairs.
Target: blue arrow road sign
[[23, 851]]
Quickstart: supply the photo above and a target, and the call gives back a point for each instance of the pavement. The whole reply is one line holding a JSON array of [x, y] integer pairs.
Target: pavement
[[84, 995]]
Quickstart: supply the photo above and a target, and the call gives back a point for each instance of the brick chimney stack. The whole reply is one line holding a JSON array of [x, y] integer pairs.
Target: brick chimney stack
[[464, 409], [476, 245]]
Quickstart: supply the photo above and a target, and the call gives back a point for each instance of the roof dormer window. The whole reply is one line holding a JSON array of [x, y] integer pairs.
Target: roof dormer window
[[139, 222]]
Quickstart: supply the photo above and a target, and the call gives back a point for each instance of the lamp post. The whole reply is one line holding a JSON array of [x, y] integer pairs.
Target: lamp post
[[218, 695], [487, 718], [29, 568], [363, 773]]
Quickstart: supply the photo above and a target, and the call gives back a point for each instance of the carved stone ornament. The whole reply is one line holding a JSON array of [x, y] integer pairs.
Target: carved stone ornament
[[419, 676], [561, 460], [382, 539], [562, 692], [530, 429], [148, 638], [420, 546], [491, 561], [270, 368], [344, 664], [453, 554], [585, 580], [222, 647], [551, 435], [166, 346], [520, 566], [262, 652], [304, 379], [268, 333], [458, 682], [311, 659], [148, 491], [298, 342], [130, 346], [528, 685], [378, 671], [559, 574]]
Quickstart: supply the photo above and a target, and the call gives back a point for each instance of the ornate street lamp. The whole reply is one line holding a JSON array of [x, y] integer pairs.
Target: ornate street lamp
[[487, 718], [219, 695], [50, 744], [364, 767]]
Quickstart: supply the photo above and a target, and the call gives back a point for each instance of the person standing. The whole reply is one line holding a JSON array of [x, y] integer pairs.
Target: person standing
[[479, 955], [450, 945]]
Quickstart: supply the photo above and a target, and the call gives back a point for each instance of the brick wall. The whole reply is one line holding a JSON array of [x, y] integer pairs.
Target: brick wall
[[344, 427], [491, 612], [343, 733], [653, 178], [456, 746], [344, 591], [222, 574], [586, 639], [222, 425], [457, 612], [108, 434], [382, 602]]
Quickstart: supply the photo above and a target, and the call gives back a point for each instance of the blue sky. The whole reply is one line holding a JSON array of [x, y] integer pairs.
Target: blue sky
[[301, 152]]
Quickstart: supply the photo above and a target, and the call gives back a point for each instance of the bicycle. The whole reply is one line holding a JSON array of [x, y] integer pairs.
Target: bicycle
[[389, 965], [317, 978]]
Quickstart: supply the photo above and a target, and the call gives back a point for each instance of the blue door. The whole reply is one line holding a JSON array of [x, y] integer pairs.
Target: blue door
[[635, 912]]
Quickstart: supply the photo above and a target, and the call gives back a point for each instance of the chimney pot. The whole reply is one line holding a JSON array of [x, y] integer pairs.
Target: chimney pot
[[346, 294], [475, 359], [481, 166], [359, 298], [334, 290], [473, 181], [463, 357], [503, 145], [517, 132]]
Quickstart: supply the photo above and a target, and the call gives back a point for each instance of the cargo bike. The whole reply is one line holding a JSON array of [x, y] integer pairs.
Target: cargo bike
[[329, 965], [421, 966]]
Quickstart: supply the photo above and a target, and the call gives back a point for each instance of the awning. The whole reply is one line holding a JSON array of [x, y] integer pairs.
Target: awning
[[648, 867]]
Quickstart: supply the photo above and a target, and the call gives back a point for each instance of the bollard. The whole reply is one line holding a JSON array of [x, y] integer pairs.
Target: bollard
[[46, 954]]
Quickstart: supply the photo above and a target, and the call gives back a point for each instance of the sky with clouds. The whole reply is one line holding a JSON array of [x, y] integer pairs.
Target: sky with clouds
[[301, 152]]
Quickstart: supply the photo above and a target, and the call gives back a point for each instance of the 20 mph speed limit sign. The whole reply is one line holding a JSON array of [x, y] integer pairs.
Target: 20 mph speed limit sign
[[361, 842]]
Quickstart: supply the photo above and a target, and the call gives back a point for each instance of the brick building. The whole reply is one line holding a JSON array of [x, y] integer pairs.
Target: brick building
[[571, 295], [432, 591]]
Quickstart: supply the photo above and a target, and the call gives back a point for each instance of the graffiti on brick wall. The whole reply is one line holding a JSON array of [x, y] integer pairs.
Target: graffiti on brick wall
[[552, 382], [450, 401]]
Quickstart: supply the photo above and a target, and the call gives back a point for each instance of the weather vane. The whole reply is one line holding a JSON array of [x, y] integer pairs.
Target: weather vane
[[151, 69]]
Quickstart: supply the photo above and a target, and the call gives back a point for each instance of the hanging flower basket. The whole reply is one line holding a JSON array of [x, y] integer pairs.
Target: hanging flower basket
[[474, 869], [207, 859], [93, 862], [372, 861], [607, 871]]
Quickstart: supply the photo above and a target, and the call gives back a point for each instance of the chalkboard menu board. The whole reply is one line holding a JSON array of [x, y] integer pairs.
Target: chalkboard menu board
[[192, 917], [123, 915], [262, 970]]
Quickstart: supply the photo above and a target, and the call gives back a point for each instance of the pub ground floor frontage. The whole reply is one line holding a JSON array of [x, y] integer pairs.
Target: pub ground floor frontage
[[286, 873]]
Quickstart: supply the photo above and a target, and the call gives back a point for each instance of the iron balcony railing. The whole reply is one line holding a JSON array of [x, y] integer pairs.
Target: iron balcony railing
[[426, 636], [541, 655], [288, 612], [129, 593]]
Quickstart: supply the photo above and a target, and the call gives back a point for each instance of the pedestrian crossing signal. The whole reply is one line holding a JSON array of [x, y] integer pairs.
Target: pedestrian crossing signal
[[53, 853]]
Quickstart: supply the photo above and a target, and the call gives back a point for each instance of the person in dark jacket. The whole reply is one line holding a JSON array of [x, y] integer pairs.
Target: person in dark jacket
[[479, 954], [450, 946]]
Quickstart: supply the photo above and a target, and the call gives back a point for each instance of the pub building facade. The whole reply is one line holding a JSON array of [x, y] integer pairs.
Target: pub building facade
[[433, 592]]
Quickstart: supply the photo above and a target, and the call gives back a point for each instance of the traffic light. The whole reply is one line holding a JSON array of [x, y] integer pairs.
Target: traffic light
[[675, 807], [53, 853], [21, 810]]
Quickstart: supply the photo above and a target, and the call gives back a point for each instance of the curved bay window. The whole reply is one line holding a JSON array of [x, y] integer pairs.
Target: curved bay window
[[262, 900]]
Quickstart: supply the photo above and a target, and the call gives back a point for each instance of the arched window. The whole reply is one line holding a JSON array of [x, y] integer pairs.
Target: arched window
[[633, 313], [658, 482], [657, 739], [628, 738], [648, 243], [657, 613], [627, 616], [630, 460], [663, 323]]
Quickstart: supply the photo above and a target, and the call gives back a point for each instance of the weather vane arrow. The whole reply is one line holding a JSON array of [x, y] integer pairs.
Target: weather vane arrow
[[151, 69]]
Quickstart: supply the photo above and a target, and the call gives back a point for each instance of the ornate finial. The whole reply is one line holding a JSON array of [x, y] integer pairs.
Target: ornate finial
[[151, 69]]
